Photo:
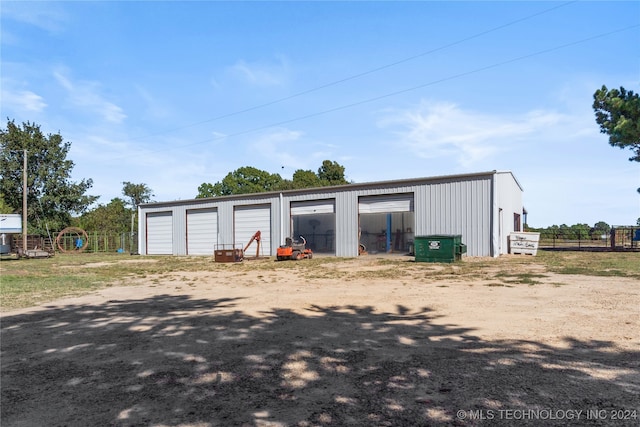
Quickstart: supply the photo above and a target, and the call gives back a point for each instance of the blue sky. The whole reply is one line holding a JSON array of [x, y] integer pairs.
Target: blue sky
[[174, 94]]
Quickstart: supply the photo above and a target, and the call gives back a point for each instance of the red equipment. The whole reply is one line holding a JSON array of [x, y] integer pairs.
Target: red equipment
[[257, 238]]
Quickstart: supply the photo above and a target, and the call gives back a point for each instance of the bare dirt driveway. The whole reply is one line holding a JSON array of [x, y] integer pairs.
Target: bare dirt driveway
[[363, 342]]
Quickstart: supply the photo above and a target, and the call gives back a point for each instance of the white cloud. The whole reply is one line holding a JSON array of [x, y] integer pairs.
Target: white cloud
[[274, 146], [261, 73], [86, 95], [23, 101], [44, 15], [290, 149], [434, 130], [154, 107]]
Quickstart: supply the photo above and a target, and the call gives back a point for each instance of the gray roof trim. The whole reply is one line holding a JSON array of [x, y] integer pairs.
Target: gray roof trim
[[514, 178], [335, 188]]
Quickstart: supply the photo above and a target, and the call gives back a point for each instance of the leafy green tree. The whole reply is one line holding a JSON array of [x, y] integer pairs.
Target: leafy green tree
[[244, 180], [618, 114], [136, 194], [580, 231], [305, 179], [331, 173], [247, 180], [52, 197], [113, 217], [205, 190], [286, 184], [4, 207], [600, 228]]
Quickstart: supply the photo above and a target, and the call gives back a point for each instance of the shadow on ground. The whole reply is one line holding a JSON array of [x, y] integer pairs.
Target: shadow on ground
[[174, 360]]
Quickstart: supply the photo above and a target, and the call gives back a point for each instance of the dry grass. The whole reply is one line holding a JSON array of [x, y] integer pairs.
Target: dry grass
[[28, 282]]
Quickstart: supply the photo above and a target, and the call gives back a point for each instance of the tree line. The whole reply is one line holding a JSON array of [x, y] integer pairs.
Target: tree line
[[54, 201], [247, 180], [574, 232]]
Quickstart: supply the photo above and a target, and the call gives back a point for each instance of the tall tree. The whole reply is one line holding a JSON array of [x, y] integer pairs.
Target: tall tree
[[52, 197], [136, 194], [331, 173], [113, 217], [244, 180], [247, 180], [600, 228], [206, 189], [305, 179], [4, 207], [618, 114]]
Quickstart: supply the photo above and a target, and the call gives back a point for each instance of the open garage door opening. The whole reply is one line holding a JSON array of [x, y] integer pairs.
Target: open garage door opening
[[316, 222], [387, 223]]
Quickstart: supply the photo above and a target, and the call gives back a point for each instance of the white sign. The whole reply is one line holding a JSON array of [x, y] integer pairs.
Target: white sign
[[524, 243]]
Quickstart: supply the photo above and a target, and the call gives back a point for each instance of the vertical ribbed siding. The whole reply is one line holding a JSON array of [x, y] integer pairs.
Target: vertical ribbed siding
[[347, 224], [456, 207], [274, 203], [447, 205], [225, 223], [179, 231]]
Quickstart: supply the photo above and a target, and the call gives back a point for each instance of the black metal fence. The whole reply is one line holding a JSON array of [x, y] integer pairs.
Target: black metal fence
[[619, 239]]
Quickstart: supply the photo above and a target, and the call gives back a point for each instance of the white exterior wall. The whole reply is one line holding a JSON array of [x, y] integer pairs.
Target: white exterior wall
[[509, 202], [479, 206]]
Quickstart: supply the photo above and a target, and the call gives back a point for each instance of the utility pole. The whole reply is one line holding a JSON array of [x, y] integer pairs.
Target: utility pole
[[24, 203]]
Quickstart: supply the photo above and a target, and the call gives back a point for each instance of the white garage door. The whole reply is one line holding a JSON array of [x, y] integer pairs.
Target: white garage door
[[313, 207], [248, 220], [202, 231], [386, 204], [159, 233]]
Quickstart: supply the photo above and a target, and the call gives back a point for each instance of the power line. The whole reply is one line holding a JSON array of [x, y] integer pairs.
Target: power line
[[410, 89], [362, 74]]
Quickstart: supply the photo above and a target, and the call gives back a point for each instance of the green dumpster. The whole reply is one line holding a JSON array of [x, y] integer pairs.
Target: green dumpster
[[439, 248]]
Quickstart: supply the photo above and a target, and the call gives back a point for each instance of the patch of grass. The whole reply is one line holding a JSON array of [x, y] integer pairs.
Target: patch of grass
[[387, 273], [23, 290], [613, 264], [27, 282]]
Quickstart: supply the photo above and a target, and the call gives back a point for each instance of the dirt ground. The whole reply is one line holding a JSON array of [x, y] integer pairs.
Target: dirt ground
[[272, 348]]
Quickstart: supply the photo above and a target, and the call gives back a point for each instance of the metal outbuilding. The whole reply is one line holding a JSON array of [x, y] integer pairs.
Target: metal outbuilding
[[380, 216]]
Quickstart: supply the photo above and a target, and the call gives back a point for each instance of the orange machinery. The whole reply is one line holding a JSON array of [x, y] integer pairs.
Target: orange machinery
[[294, 250]]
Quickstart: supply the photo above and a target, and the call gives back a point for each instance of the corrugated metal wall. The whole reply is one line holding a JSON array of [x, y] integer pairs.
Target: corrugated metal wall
[[457, 207], [464, 204]]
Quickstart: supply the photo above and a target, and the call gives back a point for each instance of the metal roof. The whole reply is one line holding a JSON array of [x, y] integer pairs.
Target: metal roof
[[339, 188]]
